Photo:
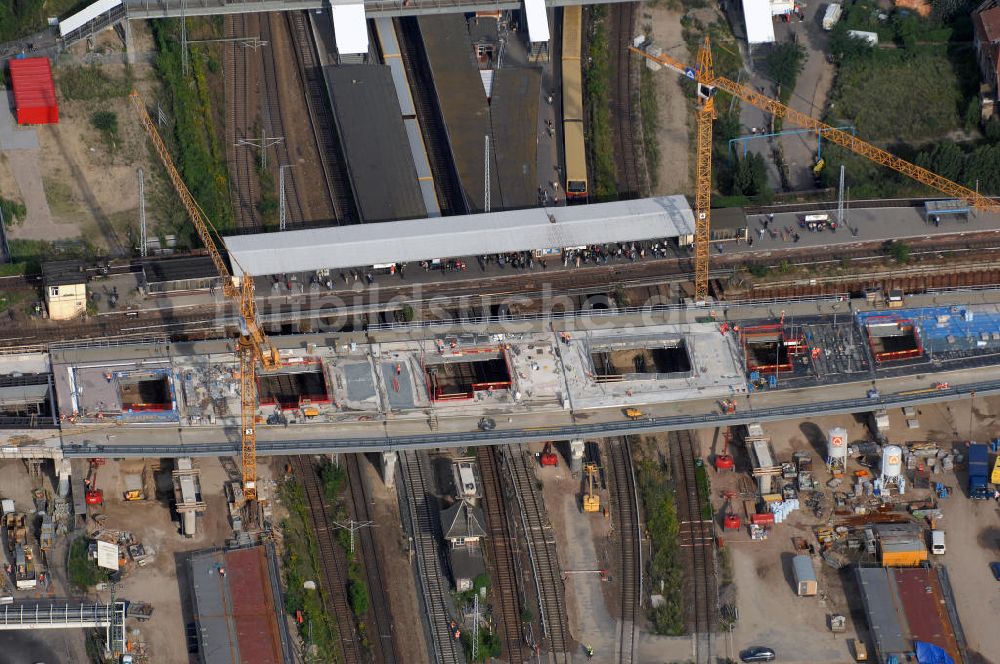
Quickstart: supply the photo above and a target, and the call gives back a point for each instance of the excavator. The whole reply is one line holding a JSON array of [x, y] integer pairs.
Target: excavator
[[253, 346], [708, 83], [591, 501]]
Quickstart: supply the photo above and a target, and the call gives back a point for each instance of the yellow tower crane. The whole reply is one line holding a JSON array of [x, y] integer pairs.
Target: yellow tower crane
[[709, 83], [253, 345]]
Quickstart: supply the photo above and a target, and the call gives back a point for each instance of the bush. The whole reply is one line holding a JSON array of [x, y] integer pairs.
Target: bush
[[105, 121], [13, 212], [83, 573], [900, 251], [666, 576]]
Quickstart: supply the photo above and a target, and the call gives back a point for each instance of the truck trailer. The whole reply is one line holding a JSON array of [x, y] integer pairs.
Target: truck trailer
[[832, 15], [979, 472]]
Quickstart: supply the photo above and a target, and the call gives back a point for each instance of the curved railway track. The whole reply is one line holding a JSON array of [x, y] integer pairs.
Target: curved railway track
[[425, 529], [697, 543], [621, 25], [239, 123], [332, 559], [383, 642], [507, 595], [626, 522], [542, 551]]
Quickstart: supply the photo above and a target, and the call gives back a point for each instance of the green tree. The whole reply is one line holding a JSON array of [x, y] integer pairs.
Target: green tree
[[945, 158], [749, 176], [784, 63]]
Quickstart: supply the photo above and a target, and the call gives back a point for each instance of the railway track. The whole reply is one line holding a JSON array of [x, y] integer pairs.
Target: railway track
[[622, 23], [420, 511], [446, 182], [697, 543], [626, 522], [273, 122], [542, 551], [239, 124], [321, 117], [383, 644], [332, 559], [507, 594]]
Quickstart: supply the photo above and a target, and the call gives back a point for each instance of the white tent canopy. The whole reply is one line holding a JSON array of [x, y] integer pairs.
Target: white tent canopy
[[758, 18]]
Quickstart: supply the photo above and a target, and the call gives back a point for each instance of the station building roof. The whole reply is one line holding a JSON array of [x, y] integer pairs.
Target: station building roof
[[417, 240]]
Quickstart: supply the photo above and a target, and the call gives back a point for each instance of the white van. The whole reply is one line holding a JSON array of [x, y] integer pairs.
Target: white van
[[937, 542]]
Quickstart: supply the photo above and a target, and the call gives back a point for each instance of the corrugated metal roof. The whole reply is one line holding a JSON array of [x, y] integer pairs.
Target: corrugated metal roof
[[416, 240], [803, 568], [31, 79], [880, 610]]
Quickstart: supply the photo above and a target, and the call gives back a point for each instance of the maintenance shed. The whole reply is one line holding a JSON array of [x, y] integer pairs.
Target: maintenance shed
[[238, 607], [34, 92], [373, 139], [729, 224], [185, 273], [462, 236], [462, 100]]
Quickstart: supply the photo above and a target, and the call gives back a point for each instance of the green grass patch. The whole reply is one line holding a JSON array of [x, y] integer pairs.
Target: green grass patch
[[704, 489], [487, 646], [597, 77], [83, 573], [60, 197], [92, 83], [318, 629], [665, 574], [898, 96], [196, 144], [13, 212]]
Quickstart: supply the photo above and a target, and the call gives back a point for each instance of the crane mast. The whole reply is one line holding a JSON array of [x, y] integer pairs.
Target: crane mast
[[708, 83], [253, 345]]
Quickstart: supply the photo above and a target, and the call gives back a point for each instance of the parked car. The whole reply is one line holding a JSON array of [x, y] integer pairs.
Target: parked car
[[995, 568], [757, 654]]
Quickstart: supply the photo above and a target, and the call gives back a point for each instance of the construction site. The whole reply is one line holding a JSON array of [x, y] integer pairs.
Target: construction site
[[398, 353]]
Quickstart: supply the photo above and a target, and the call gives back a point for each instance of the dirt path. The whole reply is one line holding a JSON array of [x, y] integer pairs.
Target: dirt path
[[39, 223], [674, 172]]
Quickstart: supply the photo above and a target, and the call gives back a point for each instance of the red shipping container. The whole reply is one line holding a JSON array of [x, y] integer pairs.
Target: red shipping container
[[34, 92], [766, 519]]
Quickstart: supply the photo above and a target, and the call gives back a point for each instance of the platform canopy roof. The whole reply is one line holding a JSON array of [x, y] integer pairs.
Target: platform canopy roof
[[417, 240]]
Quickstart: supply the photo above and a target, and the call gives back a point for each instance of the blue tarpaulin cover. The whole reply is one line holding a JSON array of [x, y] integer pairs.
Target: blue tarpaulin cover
[[928, 653]]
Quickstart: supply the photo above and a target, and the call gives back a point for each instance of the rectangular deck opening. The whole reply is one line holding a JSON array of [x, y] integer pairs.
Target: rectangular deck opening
[[139, 393], [462, 378], [769, 349], [292, 389], [894, 340], [637, 362]]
